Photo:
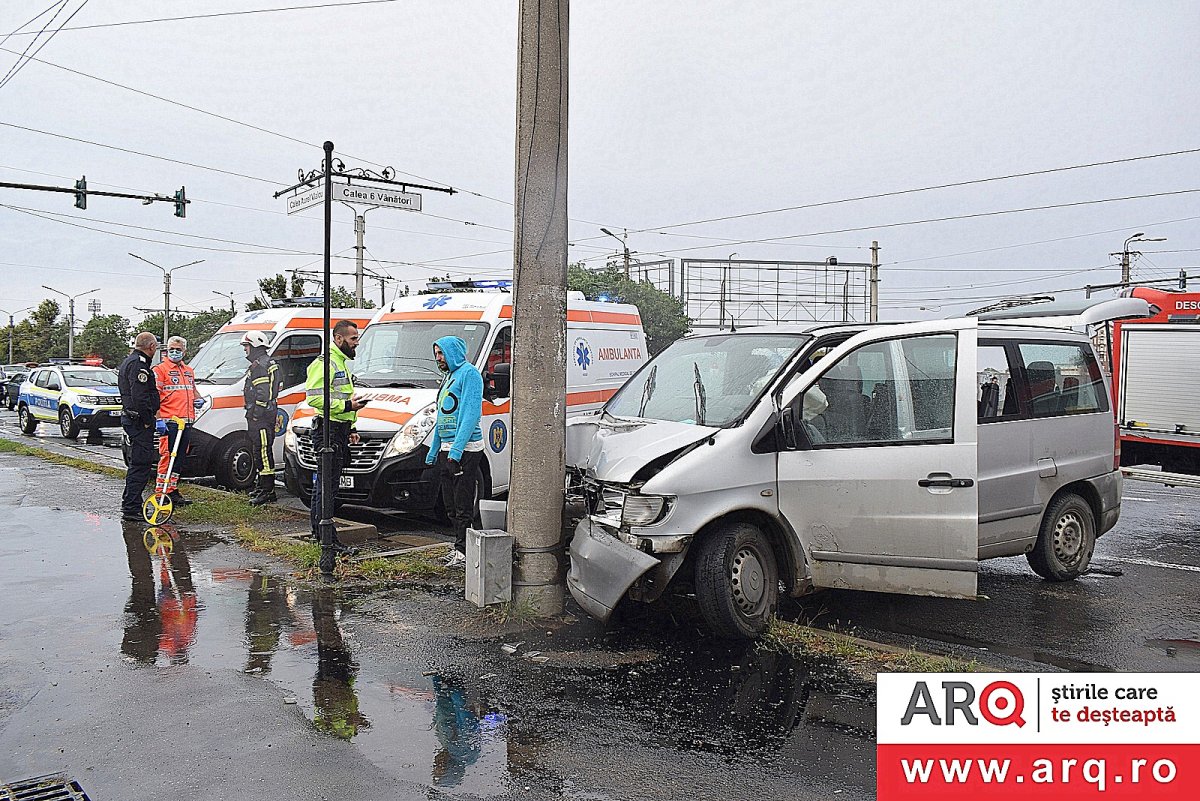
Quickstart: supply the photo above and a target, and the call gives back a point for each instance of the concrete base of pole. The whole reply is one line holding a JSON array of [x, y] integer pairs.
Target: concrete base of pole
[[543, 601]]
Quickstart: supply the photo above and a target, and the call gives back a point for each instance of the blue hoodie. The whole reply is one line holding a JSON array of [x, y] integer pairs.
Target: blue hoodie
[[459, 403]]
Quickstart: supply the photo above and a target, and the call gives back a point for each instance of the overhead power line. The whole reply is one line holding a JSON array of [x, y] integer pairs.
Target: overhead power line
[[21, 56], [950, 218], [214, 14], [914, 190]]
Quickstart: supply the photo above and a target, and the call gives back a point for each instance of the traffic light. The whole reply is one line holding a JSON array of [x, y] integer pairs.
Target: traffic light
[[181, 203], [81, 193]]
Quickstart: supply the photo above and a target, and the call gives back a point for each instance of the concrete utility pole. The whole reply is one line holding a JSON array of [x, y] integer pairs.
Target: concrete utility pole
[[1126, 267], [12, 329], [360, 228], [624, 240], [166, 291], [540, 306], [874, 281], [70, 316]]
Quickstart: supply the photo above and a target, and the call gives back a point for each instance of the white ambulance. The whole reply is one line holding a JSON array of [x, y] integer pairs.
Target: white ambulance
[[394, 367], [219, 445]]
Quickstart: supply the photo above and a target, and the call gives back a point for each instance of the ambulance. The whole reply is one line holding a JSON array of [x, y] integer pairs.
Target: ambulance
[[394, 367], [219, 445]]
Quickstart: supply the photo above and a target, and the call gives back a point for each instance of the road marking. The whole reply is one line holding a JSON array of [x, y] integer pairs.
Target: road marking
[[1152, 563], [1147, 500]]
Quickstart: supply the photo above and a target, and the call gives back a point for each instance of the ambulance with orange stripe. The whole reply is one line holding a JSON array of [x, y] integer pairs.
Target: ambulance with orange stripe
[[394, 367], [219, 445]]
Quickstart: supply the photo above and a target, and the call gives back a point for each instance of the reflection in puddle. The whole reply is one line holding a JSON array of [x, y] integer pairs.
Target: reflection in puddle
[[162, 611], [333, 686], [562, 726]]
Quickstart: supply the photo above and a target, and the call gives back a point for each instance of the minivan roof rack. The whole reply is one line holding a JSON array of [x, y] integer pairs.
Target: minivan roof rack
[[1010, 303]]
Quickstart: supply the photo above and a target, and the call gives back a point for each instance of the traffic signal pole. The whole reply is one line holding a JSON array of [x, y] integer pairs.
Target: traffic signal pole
[[536, 491]]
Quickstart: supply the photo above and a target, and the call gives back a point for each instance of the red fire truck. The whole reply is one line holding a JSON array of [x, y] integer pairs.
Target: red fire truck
[[1156, 382]]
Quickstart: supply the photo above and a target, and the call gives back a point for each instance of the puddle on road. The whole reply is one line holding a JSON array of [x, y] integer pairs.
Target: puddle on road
[[453, 731]]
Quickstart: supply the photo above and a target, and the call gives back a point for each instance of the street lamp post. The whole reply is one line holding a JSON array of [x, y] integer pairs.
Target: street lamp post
[[624, 246], [70, 316], [725, 289], [166, 290], [1126, 266], [12, 329], [232, 304]]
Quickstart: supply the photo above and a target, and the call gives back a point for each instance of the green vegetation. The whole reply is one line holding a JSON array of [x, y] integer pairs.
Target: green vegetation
[[664, 317], [861, 658], [258, 527]]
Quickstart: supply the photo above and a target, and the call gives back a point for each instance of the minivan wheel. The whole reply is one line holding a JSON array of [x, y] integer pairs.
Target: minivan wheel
[[737, 581], [1067, 538], [235, 464]]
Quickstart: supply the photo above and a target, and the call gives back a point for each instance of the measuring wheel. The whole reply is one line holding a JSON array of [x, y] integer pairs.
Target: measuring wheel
[[158, 509]]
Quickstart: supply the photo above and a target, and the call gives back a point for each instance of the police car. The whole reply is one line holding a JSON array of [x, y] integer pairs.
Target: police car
[[74, 396]]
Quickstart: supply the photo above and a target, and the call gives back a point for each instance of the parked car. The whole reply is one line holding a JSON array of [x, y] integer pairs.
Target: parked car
[[76, 397], [11, 388], [848, 456]]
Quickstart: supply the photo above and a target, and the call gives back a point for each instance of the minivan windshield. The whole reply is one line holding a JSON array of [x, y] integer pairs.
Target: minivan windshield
[[709, 380], [400, 354], [221, 359], [90, 378]]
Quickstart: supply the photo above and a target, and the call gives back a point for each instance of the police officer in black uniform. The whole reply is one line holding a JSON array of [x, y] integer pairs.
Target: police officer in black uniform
[[139, 410]]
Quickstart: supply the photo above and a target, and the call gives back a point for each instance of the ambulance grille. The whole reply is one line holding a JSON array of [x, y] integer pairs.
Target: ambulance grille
[[364, 457]]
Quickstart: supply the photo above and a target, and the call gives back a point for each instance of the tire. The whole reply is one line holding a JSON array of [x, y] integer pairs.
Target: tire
[[737, 581], [291, 482], [67, 424], [235, 463], [1066, 540], [28, 421]]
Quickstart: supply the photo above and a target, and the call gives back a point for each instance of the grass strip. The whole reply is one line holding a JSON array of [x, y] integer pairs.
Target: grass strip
[[258, 527], [864, 659]]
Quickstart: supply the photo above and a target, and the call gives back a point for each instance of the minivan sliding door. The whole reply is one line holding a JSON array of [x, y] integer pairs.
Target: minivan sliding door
[[879, 480]]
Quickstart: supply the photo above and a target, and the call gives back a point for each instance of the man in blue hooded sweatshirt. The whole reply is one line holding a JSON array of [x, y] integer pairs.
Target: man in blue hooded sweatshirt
[[457, 446]]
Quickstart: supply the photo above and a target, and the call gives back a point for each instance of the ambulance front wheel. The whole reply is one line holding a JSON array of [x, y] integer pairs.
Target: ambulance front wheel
[[235, 463]]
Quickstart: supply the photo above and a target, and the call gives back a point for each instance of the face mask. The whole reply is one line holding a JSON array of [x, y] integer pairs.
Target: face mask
[[175, 356]]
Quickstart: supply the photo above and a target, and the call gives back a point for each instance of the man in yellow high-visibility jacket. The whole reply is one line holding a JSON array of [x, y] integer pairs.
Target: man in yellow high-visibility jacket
[[343, 413]]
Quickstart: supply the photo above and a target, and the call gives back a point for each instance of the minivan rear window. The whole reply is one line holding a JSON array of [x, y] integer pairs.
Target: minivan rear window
[[1063, 378]]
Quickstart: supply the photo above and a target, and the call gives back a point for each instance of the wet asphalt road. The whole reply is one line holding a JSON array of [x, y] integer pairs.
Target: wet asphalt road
[[144, 673], [1138, 610], [163, 666]]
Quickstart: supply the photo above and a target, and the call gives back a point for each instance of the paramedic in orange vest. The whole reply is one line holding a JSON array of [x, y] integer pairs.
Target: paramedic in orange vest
[[177, 390]]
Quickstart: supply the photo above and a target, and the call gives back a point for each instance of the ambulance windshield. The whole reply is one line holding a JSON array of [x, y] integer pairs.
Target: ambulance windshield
[[401, 353], [710, 380], [221, 359]]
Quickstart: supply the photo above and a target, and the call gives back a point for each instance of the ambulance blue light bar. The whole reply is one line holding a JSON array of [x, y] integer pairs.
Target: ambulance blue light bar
[[502, 284]]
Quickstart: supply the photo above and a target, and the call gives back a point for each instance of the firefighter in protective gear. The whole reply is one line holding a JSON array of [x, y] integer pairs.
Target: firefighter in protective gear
[[260, 396], [178, 400]]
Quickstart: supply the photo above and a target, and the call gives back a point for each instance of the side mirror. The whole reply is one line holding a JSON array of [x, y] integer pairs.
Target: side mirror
[[500, 379]]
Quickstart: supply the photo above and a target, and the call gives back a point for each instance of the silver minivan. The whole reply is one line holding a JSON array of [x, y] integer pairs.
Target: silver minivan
[[889, 458]]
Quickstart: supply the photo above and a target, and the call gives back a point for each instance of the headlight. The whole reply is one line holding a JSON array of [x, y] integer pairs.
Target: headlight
[[642, 510], [289, 439], [410, 437]]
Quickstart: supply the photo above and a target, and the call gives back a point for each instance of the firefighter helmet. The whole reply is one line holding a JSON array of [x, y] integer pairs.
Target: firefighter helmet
[[256, 339]]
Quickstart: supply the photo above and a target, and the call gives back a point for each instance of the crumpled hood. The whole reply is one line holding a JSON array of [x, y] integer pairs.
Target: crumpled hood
[[455, 351], [611, 449]]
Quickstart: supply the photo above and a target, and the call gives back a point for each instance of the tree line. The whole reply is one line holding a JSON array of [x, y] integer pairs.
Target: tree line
[[43, 334]]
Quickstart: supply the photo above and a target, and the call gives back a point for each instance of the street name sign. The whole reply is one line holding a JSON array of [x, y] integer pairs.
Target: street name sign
[[375, 196], [306, 199]]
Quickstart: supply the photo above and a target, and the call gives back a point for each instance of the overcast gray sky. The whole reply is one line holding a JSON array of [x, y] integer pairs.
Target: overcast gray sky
[[680, 111]]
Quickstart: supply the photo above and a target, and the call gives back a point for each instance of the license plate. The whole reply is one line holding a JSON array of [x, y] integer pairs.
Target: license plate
[[346, 482]]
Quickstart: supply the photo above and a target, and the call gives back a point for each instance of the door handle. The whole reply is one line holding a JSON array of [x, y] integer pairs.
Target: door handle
[[947, 483]]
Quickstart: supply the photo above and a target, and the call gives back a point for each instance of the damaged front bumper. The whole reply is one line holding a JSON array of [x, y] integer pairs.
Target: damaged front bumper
[[603, 568]]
